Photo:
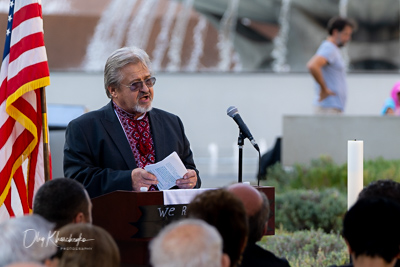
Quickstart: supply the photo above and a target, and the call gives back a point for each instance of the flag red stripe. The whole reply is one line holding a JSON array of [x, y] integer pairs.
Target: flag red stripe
[[25, 13], [32, 172], [7, 202], [6, 130], [17, 149], [34, 154], [28, 74], [26, 108], [3, 90], [19, 181], [27, 43]]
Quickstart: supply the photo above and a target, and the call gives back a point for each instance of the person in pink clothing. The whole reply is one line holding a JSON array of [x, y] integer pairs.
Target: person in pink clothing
[[395, 94]]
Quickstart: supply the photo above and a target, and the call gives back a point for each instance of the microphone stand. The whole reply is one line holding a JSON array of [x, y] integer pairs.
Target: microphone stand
[[240, 144]]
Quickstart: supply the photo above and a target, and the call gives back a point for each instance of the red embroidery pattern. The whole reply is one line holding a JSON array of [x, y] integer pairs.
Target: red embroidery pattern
[[139, 137]]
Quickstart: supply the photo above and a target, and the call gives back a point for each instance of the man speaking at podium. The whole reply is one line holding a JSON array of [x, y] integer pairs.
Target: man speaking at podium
[[107, 149]]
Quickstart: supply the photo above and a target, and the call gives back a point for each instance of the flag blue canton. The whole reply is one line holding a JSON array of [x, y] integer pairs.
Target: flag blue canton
[[9, 30]]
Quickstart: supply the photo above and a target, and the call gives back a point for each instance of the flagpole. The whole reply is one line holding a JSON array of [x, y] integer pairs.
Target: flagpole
[[46, 150]]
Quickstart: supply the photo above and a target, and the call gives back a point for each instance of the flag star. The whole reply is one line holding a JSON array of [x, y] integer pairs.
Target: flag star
[[9, 18], [8, 32], [11, 4]]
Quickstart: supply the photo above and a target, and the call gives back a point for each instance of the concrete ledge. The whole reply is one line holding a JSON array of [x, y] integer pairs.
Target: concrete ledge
[[309, 137]]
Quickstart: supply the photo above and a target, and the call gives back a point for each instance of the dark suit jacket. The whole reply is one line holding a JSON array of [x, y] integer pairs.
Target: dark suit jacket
[[97, 152], [254, 256]]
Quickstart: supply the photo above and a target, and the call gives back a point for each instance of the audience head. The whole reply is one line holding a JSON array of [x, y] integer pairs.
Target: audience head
[[382, 188], [18, 243], [63, 201], [226, 212], [257, 208], [371, 229], [119, 59], [189, 242], [99, 249]]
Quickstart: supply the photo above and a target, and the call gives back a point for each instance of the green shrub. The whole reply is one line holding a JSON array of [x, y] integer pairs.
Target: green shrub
[[381, 169], [310, 209], [324, 173], [308, 248]]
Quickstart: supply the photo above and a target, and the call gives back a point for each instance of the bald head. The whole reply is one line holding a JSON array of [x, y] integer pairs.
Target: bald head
[[257, 208], [251, 197], [190, 242]]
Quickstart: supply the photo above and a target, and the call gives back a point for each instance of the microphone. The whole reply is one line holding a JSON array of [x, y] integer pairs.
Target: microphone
[[234, 114]]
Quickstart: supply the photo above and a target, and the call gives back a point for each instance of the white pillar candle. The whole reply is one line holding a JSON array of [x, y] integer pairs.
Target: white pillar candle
[[355, 164]]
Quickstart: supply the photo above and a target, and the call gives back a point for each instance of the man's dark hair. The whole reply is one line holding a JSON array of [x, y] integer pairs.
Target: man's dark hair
[[338, 23], [371, 227], [258, 220], [223, 210], [60, 200], [382, 188]]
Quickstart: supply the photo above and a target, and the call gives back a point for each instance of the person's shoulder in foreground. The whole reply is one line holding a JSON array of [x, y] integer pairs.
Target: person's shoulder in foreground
[[254, 256]]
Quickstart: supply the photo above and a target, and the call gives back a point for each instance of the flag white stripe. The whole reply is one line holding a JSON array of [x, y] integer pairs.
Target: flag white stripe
[[4, 69], [21, 4], [28, 27], [16, 200], [39, 172], [4, 213], [31, 57], [30, 97], [3, 115]]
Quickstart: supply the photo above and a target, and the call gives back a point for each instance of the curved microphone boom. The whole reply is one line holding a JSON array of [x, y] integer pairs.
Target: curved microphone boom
[[234, 114]]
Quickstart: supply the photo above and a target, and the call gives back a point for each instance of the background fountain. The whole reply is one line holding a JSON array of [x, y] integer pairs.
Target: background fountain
[[215, 35]]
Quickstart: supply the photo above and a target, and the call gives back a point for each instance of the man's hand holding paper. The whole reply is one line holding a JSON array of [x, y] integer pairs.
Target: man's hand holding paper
[[142, 178], [171, 172], [188, 181]]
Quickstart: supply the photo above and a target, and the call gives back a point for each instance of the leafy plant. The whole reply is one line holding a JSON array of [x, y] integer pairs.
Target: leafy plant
[[308, 247], [310, 209]]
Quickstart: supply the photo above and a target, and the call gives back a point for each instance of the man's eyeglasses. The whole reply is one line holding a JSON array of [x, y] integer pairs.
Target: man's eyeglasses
[[139, 85]]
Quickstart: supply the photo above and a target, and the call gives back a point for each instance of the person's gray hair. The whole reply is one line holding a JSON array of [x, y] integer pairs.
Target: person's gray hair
[[20, 240], [187, 243], [119, 59]]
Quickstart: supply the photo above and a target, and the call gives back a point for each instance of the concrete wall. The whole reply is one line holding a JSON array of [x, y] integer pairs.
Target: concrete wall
[[309, 137], [201, 100]]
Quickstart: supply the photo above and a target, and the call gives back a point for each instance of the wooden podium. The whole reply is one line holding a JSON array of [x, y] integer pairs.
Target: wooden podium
[[134, 218]]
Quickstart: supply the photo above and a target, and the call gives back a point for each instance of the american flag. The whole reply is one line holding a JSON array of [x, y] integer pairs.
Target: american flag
[[24, 70]]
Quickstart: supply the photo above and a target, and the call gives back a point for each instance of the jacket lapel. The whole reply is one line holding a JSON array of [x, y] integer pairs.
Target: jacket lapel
[[158, 134], [117, 135]]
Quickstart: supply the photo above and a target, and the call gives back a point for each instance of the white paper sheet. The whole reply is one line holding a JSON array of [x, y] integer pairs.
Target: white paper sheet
[[167, 171]]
